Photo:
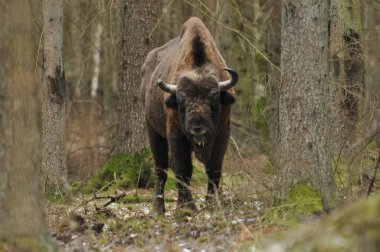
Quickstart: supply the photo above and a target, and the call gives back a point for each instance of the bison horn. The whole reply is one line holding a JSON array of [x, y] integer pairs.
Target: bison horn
[[172, 89], [224, 85]]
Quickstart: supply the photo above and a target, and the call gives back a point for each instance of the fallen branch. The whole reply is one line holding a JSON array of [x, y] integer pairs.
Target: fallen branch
[[112, 199]]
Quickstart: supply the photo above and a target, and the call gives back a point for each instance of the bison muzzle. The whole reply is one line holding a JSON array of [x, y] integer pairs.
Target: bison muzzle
[[187, 92]]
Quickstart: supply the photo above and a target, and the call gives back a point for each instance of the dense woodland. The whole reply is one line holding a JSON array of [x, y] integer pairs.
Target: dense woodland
[[300, 172]]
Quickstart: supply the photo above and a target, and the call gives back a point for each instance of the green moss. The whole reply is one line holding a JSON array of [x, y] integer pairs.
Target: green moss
[[306, 199], [138, 224], [181, 214], [354, 228], [302, 201], [115, 226], [124, 171], [136, 199]]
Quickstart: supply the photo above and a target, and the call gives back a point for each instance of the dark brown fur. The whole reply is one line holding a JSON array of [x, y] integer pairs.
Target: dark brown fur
[[193, 63]]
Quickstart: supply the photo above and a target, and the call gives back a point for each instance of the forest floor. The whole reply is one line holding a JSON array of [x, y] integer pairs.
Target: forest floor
[[242, 219], [92, 223]]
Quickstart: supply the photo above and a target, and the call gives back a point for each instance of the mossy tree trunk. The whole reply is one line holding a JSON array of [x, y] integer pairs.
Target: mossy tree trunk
[[138, 35], [53, 97], [304, 154], [22, 215], [346, 71]]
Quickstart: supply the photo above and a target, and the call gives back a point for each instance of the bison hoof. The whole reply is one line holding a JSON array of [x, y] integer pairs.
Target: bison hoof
[[159, 205]]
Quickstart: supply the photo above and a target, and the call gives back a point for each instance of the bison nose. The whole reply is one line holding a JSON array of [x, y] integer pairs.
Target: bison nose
[[198, 131]]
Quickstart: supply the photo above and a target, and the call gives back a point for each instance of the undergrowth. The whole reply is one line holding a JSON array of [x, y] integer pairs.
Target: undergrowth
[[124, 171]]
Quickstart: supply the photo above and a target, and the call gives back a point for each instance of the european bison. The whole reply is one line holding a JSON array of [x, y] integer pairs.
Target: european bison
[[187, 95]]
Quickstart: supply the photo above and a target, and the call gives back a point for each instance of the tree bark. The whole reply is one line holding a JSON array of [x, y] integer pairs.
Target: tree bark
[[273, 49], [304, 134], [53, 95], [138, 36], [22, 216]]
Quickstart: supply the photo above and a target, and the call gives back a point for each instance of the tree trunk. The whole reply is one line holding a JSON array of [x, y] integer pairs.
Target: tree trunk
[[304, 133], [273, 49], [138, 36], [346, 72], [53, 95], [22, 216]]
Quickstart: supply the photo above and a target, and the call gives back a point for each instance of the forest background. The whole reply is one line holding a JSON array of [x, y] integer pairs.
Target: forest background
[[72, 132]]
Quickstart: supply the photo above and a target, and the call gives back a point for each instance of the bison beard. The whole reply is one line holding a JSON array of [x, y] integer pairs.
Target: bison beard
[[189, 111]]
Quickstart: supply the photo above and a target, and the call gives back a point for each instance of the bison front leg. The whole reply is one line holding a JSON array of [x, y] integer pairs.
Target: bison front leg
[[159, 147], [214, 165], [183, 169]]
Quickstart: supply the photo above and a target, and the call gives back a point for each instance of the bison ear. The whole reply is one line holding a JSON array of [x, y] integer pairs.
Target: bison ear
[[226, 98], [171, 101]]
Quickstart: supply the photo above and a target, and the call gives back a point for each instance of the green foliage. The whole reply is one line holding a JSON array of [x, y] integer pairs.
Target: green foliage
[[124, 171], [258, 115], [302, 201]]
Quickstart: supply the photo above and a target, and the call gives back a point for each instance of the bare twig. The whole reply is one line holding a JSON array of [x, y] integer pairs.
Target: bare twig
[[363, 144], [112, 199], [377, 166]]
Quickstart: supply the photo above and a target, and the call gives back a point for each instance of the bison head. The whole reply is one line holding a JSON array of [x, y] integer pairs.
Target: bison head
[[198, 98]]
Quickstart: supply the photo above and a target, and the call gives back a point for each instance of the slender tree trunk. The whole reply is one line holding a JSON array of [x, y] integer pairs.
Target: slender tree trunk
[[53, 92], [22, 216], [96, 57], [346, 72], [304, 134], [138, 36]]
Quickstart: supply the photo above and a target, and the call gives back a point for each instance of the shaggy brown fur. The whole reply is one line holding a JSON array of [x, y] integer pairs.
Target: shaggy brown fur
[[196, 118]]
